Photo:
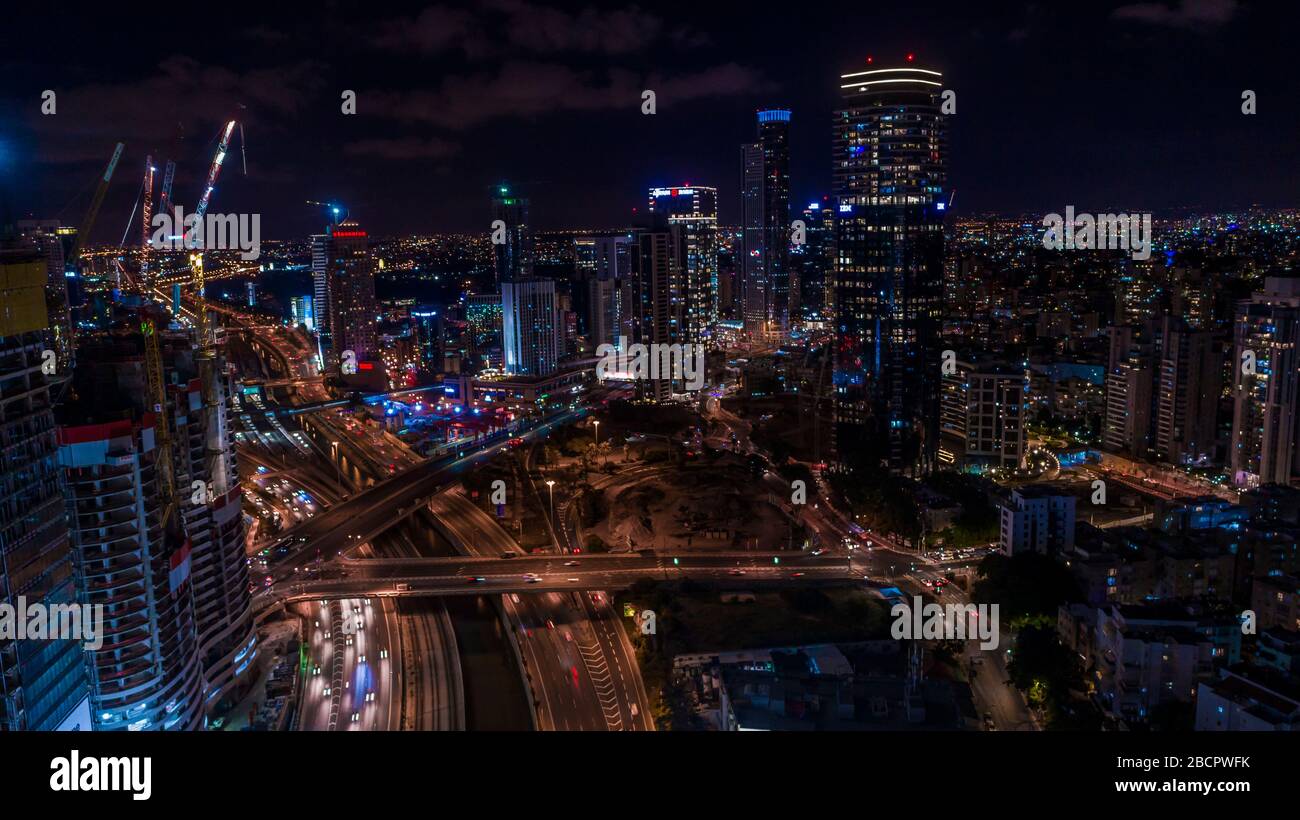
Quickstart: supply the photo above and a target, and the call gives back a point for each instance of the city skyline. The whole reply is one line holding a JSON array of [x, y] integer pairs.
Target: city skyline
[[1055, 140], [893, 372]]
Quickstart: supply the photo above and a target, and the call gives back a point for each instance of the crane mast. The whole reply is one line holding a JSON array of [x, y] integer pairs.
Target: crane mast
[[147, 213], [165, 196], [163, 463]]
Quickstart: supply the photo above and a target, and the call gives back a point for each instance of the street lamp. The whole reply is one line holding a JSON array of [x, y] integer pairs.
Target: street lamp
[[550, 485], [338, 475], [597, 425]]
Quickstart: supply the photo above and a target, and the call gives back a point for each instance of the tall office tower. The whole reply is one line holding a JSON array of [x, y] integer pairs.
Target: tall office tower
[[350, 276], [320, 303], [890, 180], [695, 209], [603, 262], [771, 290], [1188, 383], [1267, 385], [483, 321], [42, 682], [531, 334], [515, 255], [426, 329], [53, 241], [982, 416], [729, 269], [302, 311], [1130, 370], [1137, 295], [814, 260], [654, 314], [1192, 297], [198, 596]]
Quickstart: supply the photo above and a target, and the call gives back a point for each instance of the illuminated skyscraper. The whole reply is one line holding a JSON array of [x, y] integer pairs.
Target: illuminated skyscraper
[[483, 324], [515, 255], [346, 310], [1267, 385], [42, 682], [603, 262], [693, 298], [770, 292], [530, 328], [815, 261], [890, 184]]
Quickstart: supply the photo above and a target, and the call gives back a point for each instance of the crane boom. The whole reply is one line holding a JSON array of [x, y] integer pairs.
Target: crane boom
[[213, 172], [165, 196], [93, 212]]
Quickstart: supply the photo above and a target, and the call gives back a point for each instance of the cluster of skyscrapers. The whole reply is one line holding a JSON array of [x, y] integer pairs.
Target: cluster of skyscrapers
[[82, 501]]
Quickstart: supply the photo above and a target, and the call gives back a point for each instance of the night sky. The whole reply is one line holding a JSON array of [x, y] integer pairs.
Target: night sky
[[1104, 106]]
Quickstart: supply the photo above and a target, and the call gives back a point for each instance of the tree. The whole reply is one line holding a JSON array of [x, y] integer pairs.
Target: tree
[[1028, 588]]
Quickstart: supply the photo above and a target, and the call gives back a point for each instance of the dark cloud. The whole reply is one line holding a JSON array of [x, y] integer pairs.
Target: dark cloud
[[402, 148], [1184, 14], [532, 89], [498, 28], [434, 30], [181, 95]]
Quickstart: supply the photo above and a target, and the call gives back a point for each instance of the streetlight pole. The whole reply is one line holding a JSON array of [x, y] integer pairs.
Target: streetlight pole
[[550, 485], [338, 473], [597, 424]]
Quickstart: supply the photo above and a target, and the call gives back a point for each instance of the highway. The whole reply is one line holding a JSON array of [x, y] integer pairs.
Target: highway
[[361, 518], [579, 663], [419, 577], [350, 675]]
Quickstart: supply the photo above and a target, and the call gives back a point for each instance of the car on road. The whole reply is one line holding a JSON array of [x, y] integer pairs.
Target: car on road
[[635, 710], [797, 575], [550, 624], [570, 563], [568, 636], [574, 580], [477, 579], [989, 725], [736, 572]]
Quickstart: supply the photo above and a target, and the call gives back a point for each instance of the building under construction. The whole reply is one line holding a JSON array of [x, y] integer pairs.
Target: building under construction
[[166, 540]]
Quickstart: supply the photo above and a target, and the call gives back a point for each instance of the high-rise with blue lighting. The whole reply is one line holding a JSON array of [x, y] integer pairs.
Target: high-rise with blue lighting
[[769, 292], [890, 185]]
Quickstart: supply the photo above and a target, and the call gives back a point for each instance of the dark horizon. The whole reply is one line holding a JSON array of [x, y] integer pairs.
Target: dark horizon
[[1098, 108]]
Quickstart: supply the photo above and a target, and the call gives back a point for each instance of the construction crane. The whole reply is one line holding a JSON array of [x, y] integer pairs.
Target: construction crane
[[93, 212], [216, 458], [222, 147], [163, 464], [165, 195], [176, 541], [196, 259], [147, 212]]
